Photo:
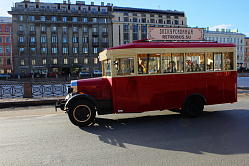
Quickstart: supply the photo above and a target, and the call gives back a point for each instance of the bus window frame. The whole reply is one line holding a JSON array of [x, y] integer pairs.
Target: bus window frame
[[203, 50]]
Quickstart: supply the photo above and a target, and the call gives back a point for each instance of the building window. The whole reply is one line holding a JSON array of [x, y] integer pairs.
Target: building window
[[65, 50], [126, 19], [7, 39], [32, 50], [22, 62], [95, 60], [32, 28], [54, 39], [64, 29], [1, 50], [42, 18], [75, 50], [95, 40], [43, 39], [33, 61], [176, 22], [134, 19], [55, 61], [85, 20], [75, 29], [32, 39], [43, 28], [84, 39], [75, 60], [94, 29], [104, 29], [20, 27], [20, 18], [74, 19], [75, 39], [54, 28], [53, 18], [64, 39], [7, 50], [1, 61], [1, 39], [85, 50], [104, 40], [104, 20], [85, 61], [44, 50], [94, 20], [168, 21], [54, 50], [85, 29], [44, 61], [8, 63], [65, 61], [7, 28], [64, 19], [21, 50], [95, 50], [31, 18], [21, 39]]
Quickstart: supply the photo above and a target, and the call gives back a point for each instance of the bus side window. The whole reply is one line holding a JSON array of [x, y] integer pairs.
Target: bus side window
[[194, 62], [210, 61], [124, 66], [228, 61]]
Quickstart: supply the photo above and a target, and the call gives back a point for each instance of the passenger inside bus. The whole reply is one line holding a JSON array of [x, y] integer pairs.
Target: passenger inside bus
[[171, 68]]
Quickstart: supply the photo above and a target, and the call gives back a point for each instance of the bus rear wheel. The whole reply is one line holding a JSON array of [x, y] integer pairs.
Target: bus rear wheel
[[193, 107], [82, 113]]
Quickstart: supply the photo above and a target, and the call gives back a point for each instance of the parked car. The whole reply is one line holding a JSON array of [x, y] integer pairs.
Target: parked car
[[84, 74], [4, 76], [21, 75], [97, 72]]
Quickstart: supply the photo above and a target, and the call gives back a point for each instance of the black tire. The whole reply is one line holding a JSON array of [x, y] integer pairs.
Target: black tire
[[193, 107], [82, 113]]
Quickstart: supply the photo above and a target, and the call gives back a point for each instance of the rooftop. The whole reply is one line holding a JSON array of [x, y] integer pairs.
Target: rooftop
[[5, 19], [129, 9]]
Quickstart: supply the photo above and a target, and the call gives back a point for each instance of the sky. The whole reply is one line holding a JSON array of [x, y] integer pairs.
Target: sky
[[222, 14]]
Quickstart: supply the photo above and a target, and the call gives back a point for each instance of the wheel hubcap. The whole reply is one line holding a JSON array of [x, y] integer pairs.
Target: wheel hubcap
[[82, 113]]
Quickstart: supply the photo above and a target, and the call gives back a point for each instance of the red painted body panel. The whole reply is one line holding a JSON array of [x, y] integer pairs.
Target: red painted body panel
[[158, 92], [98, 88]]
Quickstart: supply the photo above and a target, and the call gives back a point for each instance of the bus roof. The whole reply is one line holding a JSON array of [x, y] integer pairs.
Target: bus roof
[[172, 45]]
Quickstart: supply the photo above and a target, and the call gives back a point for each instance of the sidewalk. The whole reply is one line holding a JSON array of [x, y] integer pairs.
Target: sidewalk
[[24, 102]]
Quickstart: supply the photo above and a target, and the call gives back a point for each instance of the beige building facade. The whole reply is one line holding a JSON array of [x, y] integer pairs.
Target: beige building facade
[[131, 24]]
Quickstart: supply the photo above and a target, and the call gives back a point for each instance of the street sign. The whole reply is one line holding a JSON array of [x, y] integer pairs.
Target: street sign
[[163, 33]]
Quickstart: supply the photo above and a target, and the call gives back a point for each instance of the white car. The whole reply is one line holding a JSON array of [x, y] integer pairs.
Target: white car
[[97, 72]]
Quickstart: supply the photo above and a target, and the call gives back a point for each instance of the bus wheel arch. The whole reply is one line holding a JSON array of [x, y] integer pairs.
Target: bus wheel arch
[[81, 111], [193, 105]]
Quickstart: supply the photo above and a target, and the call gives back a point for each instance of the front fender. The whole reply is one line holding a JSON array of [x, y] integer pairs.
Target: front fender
[[80, 97]]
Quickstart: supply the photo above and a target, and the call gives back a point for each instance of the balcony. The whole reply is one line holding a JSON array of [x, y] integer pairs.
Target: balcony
[[105, 44], [95, 44], [95, 34], [20, 33], [21, 44], [32, 44], [32, 33], [105, 34]]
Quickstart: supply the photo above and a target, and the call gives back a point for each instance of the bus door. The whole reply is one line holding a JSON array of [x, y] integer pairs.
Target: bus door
[[125, 95]]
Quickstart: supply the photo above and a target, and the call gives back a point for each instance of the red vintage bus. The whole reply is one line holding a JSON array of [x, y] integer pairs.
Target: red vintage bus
[[147, 76]]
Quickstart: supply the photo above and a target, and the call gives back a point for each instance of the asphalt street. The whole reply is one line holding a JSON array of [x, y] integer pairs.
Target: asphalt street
[[39, 136]]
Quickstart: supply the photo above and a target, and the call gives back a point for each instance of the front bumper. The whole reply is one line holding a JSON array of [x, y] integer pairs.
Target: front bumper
[[60, 104]]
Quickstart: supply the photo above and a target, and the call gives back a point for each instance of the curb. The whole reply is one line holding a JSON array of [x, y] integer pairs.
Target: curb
[[28, 102]]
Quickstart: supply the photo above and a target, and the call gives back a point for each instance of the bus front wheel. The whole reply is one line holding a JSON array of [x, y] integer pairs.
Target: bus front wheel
[[193, 107], [82, 113]]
